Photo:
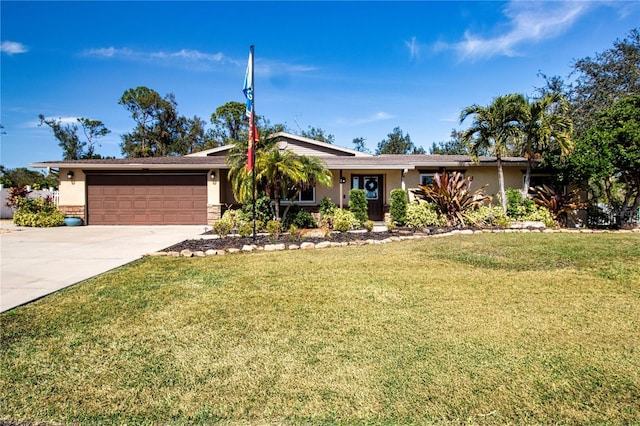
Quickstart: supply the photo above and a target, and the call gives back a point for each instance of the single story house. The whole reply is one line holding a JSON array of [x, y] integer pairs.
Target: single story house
[[194, 189]]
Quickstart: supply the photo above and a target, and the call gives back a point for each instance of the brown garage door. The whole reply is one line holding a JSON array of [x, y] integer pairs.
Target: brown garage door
[[147, 199]]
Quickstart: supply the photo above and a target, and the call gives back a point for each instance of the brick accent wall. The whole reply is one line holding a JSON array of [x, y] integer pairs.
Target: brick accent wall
[[214, 212], [77, 211]]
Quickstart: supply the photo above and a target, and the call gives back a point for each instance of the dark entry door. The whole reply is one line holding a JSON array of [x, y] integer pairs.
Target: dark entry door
[[373, 189]]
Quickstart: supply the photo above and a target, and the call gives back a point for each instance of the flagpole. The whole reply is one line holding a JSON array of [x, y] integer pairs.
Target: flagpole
[[253, 151]]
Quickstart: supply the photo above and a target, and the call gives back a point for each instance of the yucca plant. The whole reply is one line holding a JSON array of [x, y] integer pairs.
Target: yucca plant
[[561, 206], [452, 196]]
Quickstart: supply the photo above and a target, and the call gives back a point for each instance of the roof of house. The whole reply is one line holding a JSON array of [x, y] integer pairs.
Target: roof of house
[[334, 157], [298, 144]]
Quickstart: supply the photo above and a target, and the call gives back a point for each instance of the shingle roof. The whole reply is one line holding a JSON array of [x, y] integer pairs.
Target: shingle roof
[[386, 161]]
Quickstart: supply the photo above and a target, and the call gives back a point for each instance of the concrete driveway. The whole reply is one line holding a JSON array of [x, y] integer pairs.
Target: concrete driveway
[[35, 262]]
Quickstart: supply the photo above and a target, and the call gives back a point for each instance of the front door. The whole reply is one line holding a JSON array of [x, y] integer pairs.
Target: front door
[[372, 185]]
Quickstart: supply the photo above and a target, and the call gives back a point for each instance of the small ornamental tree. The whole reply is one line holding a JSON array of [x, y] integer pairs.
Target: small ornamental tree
[[398, 207], [358, 205]]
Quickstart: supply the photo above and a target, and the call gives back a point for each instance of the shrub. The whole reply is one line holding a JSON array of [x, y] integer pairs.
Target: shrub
[[326, 209], [274, 228], [517, 206], [487, 216], [222, 227], [561, 206], [452, 196], [540, 214], [421, 214], [398, 207], [41, 219], [368, 225], [358, 205], [300, 218], [36, 212], [264, 213], [293, 230], [17, 196], [246, 229], [344, 220]]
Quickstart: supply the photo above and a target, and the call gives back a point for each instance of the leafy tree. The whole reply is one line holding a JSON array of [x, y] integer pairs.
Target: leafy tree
[[360, 144], [158, 130], [495, 128], [230, 122], [595, 84], [318, 134], [67, 135], [194, 136], [608, 158], [398, 143], [22, 176], [605, 79], [454, 146], [545, 123], [93, 130]]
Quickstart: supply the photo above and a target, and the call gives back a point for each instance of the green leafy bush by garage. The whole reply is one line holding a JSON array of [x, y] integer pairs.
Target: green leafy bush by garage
[[358, 205], [398, 207], [34, 212]]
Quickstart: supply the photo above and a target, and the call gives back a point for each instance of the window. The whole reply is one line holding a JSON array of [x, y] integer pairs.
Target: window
[[306, 196], [426, 178]]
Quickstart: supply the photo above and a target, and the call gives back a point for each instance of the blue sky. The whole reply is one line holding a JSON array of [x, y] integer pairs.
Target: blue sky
[[353, 69]]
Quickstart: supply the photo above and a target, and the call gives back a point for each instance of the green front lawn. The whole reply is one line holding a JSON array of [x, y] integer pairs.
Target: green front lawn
[[486, 328]]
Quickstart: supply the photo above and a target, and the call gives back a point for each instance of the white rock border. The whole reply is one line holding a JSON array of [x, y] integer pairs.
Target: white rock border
[[328, 244]]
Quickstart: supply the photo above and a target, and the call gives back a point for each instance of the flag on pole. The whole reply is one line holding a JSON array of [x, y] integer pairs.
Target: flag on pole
[[248, 93], [248, 84]]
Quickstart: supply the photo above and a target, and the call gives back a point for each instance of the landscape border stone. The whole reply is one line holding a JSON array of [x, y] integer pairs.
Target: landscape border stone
[[360, 242]]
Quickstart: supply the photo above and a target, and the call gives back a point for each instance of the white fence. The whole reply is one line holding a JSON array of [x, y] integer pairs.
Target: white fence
[[7, 212]]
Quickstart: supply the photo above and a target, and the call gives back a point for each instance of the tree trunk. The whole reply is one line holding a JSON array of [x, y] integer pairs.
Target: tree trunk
[[527, 179], [503, 194]]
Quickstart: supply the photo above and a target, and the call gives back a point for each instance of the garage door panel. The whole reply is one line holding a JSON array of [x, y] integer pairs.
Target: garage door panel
[[147, 199]]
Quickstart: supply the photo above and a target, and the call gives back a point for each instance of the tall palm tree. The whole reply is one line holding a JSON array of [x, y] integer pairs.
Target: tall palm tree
[[495, 128], [278, 170], [545, 122]]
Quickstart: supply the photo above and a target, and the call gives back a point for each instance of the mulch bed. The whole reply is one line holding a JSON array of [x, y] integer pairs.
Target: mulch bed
[[236, 242]]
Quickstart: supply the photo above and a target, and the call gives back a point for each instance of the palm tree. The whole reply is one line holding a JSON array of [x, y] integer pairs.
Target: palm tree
[[314, 172], [278, 170], [494, 128], [546, 121]]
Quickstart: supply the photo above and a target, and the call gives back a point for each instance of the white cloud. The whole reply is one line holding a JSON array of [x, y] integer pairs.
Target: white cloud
[[529, 21], [12, 47], [378, 116], [414, 48], [184, 56], [197, 59]]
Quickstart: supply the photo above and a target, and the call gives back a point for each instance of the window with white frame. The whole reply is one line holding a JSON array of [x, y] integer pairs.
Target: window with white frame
[[306, 196]]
